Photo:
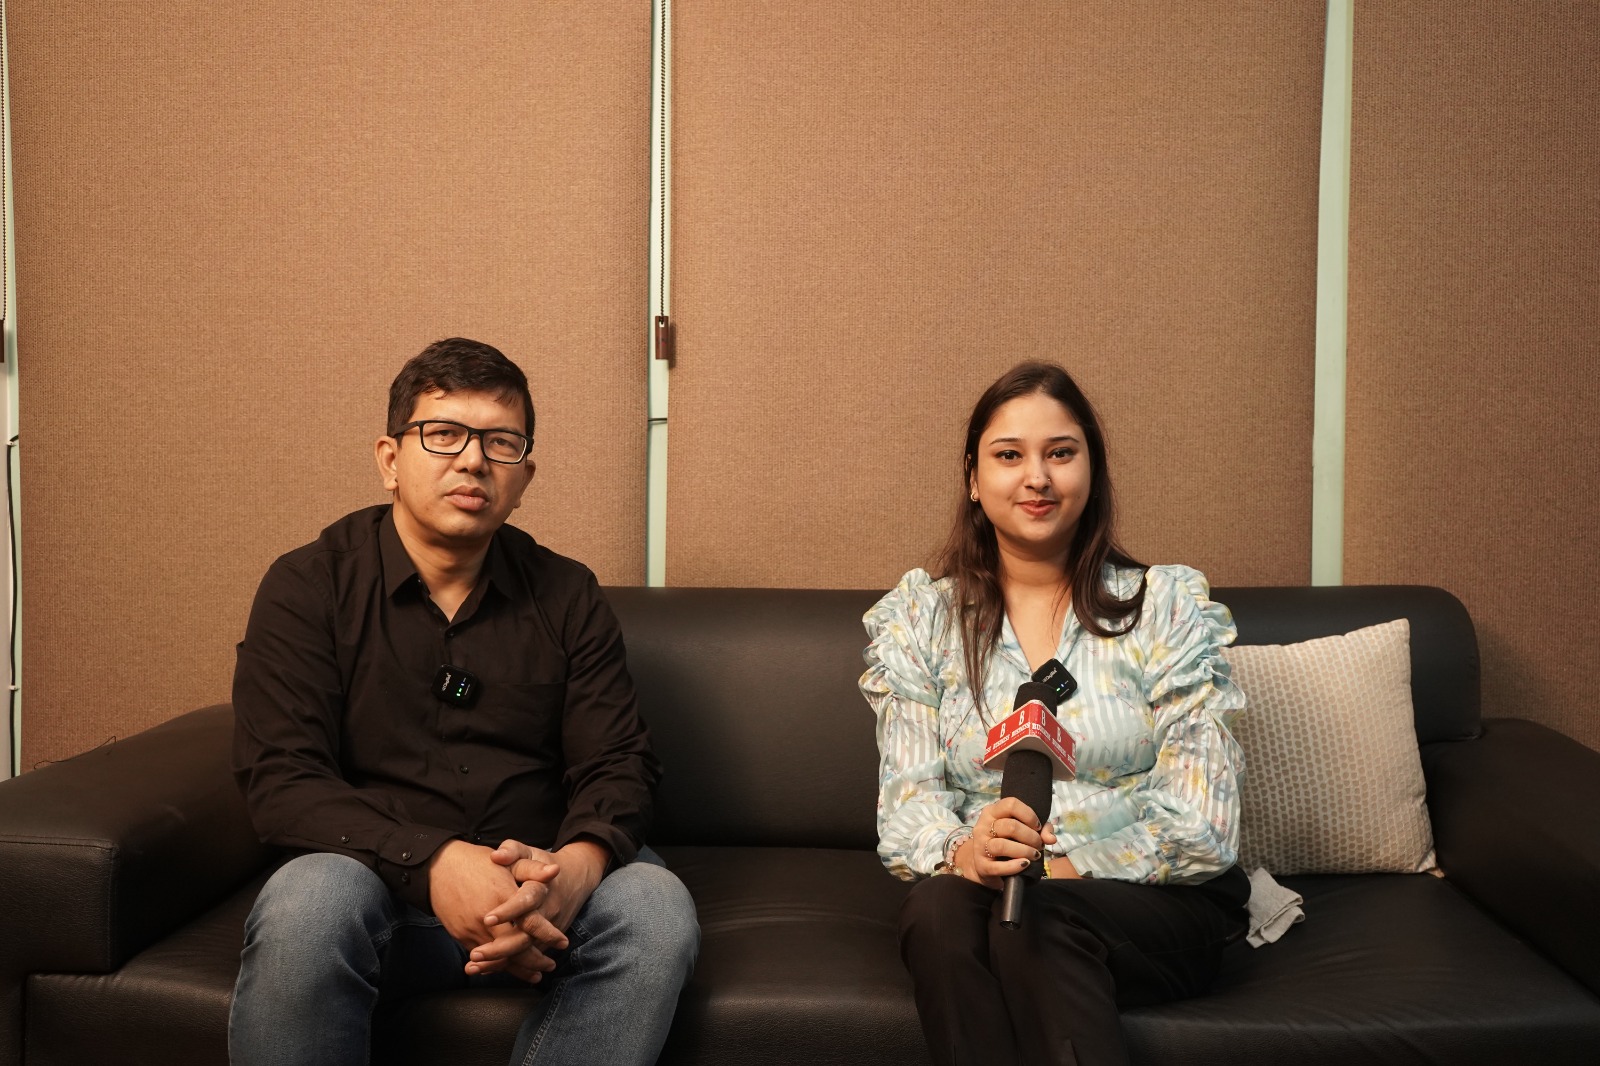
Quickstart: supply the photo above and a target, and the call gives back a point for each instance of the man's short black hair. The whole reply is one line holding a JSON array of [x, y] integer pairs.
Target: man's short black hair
[[456, 364]]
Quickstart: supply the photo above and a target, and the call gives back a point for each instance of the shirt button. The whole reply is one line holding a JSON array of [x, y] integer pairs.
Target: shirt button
[[405, 855], [344, 840], [405, 879], [463, 769]]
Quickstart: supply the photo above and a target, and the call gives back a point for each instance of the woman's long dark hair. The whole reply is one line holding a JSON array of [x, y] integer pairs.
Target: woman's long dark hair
[[972, 554]]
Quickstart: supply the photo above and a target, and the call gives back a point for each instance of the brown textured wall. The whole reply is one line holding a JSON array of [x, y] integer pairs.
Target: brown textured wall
[[879, 207], [234, 223], [1474, 317]]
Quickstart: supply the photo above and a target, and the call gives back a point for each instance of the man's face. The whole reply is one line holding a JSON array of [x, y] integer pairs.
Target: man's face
[[454, 501]]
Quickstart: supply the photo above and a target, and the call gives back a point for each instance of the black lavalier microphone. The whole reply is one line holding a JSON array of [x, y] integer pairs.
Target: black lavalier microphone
[[1028, 776], [1058, 679], [455, 685]]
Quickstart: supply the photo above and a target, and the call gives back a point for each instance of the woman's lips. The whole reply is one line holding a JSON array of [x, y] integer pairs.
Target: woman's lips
[[1038, 508]]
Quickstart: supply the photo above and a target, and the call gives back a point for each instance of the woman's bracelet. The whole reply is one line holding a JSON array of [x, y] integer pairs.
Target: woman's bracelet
[[952, 844]]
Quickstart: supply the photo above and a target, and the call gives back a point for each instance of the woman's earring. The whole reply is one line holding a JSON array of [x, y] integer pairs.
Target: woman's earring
[[974, 495]]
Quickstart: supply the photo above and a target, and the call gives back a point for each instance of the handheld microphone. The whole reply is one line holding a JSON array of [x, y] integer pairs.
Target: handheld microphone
[[1033, 749]]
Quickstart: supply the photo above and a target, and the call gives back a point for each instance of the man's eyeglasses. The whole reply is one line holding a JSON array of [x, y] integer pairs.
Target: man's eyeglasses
[[450, 438]]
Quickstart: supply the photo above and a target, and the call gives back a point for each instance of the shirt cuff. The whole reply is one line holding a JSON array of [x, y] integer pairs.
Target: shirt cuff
[[1128, 855], [403, 859], [624, 849]]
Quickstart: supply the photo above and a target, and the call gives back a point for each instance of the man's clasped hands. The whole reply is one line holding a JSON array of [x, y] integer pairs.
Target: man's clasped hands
[[511, 906]]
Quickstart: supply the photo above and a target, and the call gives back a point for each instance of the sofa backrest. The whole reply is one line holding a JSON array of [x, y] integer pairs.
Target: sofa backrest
[[1444, 646], [751, 700], [751, 697]]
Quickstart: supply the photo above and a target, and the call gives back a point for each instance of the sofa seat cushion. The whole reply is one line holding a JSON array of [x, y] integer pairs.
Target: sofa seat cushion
[[798, 951], [1386, 968], [798, 963]]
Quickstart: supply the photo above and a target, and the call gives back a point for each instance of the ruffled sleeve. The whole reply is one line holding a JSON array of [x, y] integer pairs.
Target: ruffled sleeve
[[905, 685], [1186, 808]]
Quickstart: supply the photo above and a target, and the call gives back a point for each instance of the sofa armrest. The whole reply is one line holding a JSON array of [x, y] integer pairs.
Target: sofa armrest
[[1516, 821], [108, 852]]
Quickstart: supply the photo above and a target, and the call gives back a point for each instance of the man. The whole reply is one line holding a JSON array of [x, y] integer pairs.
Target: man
[[427, 700]]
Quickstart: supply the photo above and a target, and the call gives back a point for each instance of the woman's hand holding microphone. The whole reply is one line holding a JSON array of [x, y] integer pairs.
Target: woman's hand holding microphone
[[1007, 840]]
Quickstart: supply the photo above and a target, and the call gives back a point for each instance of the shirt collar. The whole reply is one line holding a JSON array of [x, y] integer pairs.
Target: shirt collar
[[398, 569], [400, 572], [498, 568]]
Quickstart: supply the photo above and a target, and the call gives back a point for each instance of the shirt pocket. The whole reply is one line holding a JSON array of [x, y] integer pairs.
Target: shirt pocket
[[521, 719]]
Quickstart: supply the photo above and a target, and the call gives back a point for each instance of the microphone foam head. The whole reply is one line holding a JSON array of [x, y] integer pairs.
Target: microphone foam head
[[1029, 691]]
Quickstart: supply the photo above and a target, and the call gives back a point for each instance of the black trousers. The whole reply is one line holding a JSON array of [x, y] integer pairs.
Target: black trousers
[[1049, 992]]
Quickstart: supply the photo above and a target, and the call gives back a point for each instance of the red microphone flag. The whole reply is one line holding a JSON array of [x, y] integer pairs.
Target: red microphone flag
[[1032, 728]]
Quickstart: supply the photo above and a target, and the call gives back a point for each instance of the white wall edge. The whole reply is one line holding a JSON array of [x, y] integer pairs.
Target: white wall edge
[[1333, 275], [658, 371], [13, 720]]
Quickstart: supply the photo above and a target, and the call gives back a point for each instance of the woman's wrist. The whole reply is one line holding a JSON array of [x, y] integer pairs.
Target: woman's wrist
[[962, 861], [952, 843], [966, 864]]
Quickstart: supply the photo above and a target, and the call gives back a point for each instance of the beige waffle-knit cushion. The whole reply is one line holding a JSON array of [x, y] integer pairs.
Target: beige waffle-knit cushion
[[1333, 782]]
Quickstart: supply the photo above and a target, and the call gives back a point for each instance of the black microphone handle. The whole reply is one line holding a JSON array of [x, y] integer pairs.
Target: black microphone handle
[[1027, 776]]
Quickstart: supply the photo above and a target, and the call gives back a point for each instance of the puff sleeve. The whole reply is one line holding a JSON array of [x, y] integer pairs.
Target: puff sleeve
[[1186, 807], [904, 686]]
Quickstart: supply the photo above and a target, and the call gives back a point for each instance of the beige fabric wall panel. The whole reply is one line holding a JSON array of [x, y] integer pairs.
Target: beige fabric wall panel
[[1474, 317], [878, 207], [234, 224]]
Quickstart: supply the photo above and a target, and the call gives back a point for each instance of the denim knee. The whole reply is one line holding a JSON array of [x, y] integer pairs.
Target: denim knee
[[650, 916], [320, 899]]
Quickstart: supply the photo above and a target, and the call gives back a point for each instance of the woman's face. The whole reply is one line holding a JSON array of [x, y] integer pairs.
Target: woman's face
[[1032, 476]]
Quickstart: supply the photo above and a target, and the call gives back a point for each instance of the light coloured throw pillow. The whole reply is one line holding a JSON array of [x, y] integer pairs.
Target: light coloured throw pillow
[[1333, 782]]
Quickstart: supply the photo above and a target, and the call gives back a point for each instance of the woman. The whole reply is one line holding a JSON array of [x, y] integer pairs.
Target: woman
[[1141, 893]]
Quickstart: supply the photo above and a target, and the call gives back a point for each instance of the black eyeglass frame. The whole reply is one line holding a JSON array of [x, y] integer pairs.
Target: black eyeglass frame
[[422, 439]]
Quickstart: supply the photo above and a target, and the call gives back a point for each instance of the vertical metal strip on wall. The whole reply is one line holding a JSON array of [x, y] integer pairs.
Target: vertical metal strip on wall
[[660, 362], [12, 727], [1333, 291]]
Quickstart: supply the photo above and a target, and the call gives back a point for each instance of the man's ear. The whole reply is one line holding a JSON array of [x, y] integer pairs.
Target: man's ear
[[532, 466], [383, 452]]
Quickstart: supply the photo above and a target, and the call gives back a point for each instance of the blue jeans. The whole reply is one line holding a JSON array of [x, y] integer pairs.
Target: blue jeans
[[326, 942]]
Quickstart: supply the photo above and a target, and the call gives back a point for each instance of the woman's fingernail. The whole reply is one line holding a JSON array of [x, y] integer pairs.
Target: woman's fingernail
[[1026, 863]]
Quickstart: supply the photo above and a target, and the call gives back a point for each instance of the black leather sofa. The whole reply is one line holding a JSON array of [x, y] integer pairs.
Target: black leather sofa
[[126, 873]]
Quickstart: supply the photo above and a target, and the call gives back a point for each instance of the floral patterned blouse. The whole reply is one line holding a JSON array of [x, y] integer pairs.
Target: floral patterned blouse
[[1155, 798]]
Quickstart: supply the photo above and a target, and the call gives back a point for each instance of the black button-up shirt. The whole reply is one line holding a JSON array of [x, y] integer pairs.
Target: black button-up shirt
[[341, 745]]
